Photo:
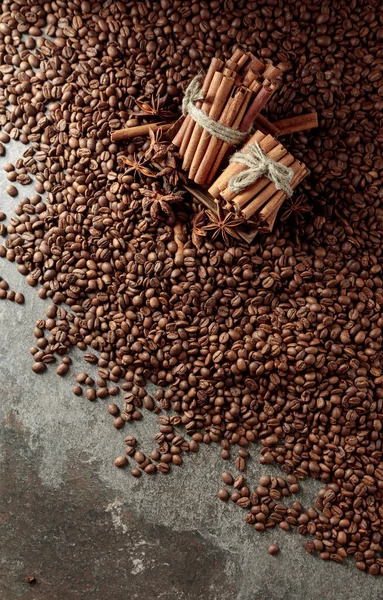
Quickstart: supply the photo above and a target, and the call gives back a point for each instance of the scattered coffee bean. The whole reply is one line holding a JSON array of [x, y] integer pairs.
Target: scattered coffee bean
[[113, 410], [39, 367], [223, 495], [90, 394], [227, 478], [273, 549], [11, 189], [121, 461], [63, 370]]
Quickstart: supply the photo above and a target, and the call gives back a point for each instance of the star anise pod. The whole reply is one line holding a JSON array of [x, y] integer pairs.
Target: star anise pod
[[295, 207], [157, 149], [170, 169], [137, 166], [154, 107], [156, 200], [198, 232], [223, 224]]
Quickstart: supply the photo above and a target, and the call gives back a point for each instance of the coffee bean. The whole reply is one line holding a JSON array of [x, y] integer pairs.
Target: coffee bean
[[223, 495], [11, 189], [77, 390], [227, 478], [130, 440], [136, 472], [19, 298], [63, 370], [113, 410], [39, 367], [90, 394], [120, 461], [273, 549], [139, 457]]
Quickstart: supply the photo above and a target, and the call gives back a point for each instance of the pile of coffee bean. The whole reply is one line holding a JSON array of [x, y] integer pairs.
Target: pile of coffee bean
[[277, 343]]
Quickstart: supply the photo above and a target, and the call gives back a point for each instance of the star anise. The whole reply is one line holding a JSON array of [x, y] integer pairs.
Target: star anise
[[137, 166], [158, 148], [156, 200], [154, 107], [170, 170], [295, 207], [223, 224], [198, 232]]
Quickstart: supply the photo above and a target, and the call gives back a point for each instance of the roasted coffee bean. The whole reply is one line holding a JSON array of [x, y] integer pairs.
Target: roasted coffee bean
[[90, 394], [77, 390], [273, 549], [39, 367], [130, 440], [136, 472], [223, 495], [62, 370], [11, 190], [120, 461], [227, 478], [113, 410]]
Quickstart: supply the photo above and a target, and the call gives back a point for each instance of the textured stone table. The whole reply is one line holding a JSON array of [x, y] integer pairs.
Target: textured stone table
[[88, 531]]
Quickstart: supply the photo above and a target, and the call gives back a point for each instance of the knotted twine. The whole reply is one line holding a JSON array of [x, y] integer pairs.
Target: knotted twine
[[258, 165], [192, 95]]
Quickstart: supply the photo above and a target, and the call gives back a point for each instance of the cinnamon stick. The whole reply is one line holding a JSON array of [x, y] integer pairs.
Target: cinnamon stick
[[233, 168], [250, 77], [271, 72], [256, 64], [237, 55], [229, 115], [242, 61], [139, 130], [183, 136], [215, 112], [279, 154], [264, 125], [267, 193], [197, 129], [255, 108], [297, 124]]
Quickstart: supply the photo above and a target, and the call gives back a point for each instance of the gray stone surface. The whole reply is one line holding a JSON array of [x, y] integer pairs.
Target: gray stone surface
[[88, 531]]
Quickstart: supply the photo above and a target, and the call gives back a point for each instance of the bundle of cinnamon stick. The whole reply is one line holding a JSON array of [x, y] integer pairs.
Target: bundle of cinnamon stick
[[260, 201], [233, 93]]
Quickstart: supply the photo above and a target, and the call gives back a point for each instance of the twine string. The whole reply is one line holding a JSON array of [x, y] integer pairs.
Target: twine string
[[259, 165]]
